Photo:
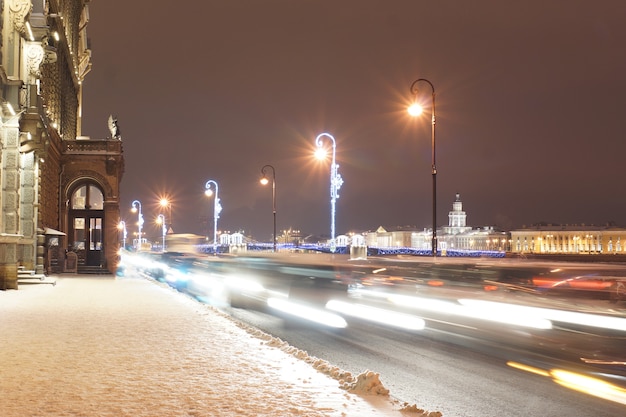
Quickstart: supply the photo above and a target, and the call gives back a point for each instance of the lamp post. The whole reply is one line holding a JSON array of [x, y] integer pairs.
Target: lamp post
[[335, 182], [136, 208], [414, 110], [264, 181], [161, 220], [166, 204], [122, 226], [217, 208]]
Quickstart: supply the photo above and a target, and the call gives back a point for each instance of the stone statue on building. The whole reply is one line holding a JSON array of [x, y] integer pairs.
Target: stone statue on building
[[114, 128]]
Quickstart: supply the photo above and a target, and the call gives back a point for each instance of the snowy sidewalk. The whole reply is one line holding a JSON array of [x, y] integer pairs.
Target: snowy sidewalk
[[130, 347]]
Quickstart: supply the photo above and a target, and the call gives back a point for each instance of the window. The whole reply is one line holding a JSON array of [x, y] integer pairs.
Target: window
[[79, 234], [95, 232], [87, 197], [96, 198]]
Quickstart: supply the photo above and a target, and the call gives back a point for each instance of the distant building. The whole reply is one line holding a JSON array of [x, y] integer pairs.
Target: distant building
[[456, 236], [569, 239], [537, 239]]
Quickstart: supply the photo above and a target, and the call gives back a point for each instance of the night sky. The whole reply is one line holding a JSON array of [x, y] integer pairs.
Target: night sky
[[530, 106]]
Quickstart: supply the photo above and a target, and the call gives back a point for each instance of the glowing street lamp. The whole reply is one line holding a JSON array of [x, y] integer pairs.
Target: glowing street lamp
[[166, 204], [265, 181], [122, 227], [415, 110], [335, 182], [136, 208], [217, 208], [161, 220]]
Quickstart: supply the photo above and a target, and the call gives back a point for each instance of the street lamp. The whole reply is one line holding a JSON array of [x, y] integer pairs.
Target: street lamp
[[165, 203], [414, 110], [122, 226], [335, 182], [136, 208], [264, 181], [161, 220], [217, 208]]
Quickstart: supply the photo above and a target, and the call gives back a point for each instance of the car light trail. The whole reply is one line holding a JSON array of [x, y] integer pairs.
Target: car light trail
[[578, 382], [528, 368], [377, 315], [573, 317], [308, 313], [475, 311], [244, 284]]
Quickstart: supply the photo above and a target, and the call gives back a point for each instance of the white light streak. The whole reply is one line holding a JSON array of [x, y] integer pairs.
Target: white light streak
[[377, 315], [308, 313]]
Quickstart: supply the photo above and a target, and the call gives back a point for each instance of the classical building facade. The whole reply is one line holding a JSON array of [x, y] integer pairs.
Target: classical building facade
[[60, 190], [456, 236], [569, 239], [554, 239]]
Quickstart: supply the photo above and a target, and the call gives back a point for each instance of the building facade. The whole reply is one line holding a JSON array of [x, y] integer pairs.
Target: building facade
[[60, 190], [548, 239], [569, 239], [456, 236]]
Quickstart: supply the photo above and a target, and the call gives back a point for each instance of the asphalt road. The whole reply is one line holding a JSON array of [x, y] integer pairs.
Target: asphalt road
[[465, 362], [439, 370]]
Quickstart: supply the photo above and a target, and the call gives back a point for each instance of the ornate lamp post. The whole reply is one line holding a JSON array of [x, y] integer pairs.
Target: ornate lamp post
[[161, 220], [217, 208], [264, 181], [136, 208], [335, 182], [414, 110]]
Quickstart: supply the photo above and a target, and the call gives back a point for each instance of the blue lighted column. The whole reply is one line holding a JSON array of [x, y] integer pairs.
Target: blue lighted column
[[415, 110], [335, 184], [217, 208], [136, 208]]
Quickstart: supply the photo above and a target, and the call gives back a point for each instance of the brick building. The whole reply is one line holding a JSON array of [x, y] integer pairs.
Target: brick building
[[60, 189]]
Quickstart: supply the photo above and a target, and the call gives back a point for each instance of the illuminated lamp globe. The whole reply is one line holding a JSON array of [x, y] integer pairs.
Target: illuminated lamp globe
[[320, 153], [415, 109]]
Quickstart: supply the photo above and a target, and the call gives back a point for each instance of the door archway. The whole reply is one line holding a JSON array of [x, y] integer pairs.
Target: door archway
[[86, 224]]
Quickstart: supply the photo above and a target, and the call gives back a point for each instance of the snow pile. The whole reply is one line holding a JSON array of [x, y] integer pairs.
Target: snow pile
[[366, 383], [406, 408]]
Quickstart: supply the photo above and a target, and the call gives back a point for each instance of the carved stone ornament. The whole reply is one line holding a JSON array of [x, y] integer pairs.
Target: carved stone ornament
[[19, 10], [50, 52], [35, 55]]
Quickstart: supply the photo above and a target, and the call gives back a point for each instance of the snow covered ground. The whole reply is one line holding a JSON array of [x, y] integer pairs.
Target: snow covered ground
[[100, 346]]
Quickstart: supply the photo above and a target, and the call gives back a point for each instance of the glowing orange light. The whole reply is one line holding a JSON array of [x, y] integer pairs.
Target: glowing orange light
[[415, 109], [320, 153]]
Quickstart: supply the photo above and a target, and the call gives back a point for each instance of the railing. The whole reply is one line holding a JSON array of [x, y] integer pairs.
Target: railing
[[371, 251], [90, 146]]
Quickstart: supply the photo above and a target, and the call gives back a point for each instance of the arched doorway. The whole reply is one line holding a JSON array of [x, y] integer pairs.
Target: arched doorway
[[86, 221]]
